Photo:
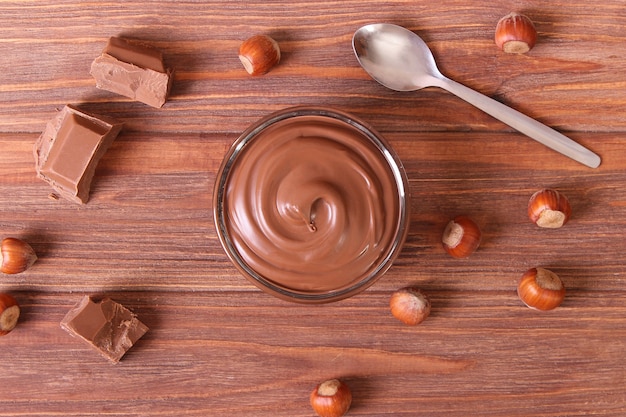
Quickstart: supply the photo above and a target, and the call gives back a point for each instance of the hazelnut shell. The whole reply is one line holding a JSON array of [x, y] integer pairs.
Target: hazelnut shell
[[16, 256], [9, 313], [331, 398], [515, 33], [410, 305], [461, 237], [259, 54], [541, 289], [549, 209]]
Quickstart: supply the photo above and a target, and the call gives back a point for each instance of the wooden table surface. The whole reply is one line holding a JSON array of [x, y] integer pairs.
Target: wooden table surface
[[217, 345]]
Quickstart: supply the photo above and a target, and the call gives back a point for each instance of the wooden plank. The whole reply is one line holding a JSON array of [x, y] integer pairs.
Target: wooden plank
[[156, 196], [217, 345], [248, 353], [572, 80]]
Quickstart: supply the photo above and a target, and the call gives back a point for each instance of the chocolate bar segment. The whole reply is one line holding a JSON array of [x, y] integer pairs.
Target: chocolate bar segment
[[135, 53], [133, 70], [69, 149], [109, 327]]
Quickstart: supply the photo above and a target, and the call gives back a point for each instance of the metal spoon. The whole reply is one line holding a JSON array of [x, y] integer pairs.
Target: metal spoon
[[400, 60]]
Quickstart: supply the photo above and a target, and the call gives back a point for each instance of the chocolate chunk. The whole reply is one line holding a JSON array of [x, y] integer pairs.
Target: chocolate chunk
[[107, 326], [133, 70], [69, 149], [135, 53]]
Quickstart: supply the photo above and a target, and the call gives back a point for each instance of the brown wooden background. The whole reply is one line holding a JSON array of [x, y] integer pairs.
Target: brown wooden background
[[217, 346]]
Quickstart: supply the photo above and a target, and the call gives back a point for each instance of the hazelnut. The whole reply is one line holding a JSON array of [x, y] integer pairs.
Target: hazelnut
[[541, 289], [410, 305], [259, 54], [331, 398], [16, 256], [9, 313], [549, 208], [461, 237], [515, 34]]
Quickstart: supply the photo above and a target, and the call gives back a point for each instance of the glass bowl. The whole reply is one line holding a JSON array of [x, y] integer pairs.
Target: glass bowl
[[311, 205]]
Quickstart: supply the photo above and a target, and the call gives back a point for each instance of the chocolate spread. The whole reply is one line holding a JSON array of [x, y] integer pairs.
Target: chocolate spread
[[312, 205]]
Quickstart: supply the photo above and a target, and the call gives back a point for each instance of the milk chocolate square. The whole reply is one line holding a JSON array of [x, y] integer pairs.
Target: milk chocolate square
[[69, 149], [107, 326], [134, 70]]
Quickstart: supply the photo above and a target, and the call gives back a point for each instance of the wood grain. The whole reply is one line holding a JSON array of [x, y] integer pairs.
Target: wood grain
[[217, 345]]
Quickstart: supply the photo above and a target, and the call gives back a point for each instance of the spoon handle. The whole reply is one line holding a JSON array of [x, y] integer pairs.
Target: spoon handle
[[530, 127]]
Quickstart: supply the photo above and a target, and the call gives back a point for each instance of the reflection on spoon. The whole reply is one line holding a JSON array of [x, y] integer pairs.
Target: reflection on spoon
[[400, 60]]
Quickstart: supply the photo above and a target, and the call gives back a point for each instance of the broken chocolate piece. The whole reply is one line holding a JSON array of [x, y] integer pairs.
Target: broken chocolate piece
[[133, 70], [69, 149], [135, 53], [107, 326]]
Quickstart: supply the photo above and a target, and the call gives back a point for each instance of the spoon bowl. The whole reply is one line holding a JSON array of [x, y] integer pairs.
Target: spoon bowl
[[400, 60], [389, 56]]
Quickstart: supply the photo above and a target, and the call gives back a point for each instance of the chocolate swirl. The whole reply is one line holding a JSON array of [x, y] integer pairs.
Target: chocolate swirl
[[312, 206]]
